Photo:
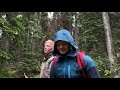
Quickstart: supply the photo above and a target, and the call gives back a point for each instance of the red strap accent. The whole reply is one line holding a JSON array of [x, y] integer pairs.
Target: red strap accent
[[54, 61], [82, 58], [78, 60], [54, 65], [81, 63]]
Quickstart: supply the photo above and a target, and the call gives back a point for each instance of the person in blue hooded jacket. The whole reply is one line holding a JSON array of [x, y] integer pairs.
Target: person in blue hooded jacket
[[66, 65]]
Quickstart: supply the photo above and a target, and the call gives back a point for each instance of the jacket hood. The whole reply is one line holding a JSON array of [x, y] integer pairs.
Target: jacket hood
[[65, 35]]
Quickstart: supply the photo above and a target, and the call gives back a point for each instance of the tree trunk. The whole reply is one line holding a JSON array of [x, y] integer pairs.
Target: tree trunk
[[109, 41], [75, 29]]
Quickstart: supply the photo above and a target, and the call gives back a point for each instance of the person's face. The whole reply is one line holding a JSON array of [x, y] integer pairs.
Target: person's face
[[48, 47], [63, 47]]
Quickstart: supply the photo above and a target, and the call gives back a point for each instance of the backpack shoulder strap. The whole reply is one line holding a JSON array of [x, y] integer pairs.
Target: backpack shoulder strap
[[55, 59], [81, 62]]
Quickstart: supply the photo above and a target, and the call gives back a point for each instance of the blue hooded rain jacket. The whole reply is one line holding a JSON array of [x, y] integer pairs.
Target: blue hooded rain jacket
[[67, 66]]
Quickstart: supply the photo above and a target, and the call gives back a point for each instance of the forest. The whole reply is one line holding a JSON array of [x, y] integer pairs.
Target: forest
[[22, 35]]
